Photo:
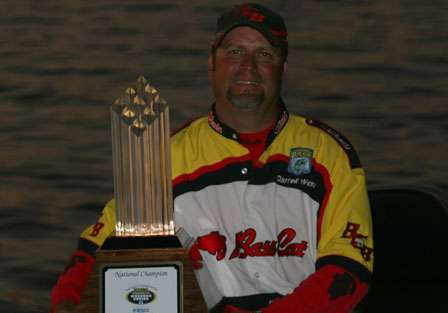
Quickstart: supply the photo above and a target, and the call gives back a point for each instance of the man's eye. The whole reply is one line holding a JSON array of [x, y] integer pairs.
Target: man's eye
[[234, 51], [266, 54]]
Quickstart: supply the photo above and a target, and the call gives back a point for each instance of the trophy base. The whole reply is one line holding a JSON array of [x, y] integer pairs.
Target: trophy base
[[140, 242], [141, 251]]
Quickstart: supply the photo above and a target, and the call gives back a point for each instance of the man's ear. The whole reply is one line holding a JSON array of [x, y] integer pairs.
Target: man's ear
[[211, 64], [211, 57]]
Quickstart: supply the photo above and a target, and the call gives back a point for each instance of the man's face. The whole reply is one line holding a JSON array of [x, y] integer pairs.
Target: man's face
[[246, 71]]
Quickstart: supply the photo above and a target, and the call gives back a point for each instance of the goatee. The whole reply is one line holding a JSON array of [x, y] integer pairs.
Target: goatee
[[246, 101]]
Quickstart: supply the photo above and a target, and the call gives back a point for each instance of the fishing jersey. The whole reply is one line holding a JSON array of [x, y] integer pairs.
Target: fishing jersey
[[265, 226], [256, 226]]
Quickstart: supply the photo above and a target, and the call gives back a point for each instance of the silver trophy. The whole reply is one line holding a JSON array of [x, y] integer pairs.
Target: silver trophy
[[142, 163]]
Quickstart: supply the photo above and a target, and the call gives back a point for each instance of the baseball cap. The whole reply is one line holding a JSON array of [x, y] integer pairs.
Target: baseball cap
[[267, 22]]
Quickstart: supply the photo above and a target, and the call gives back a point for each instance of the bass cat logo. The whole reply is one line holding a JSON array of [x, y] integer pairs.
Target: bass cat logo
[[300, 161], [246, 245]]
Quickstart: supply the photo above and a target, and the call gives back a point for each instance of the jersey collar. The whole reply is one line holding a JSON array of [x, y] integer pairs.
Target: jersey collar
[[232, 134]]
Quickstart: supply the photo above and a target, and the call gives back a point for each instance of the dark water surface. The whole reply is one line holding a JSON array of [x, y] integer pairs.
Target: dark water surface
[[375, 70]]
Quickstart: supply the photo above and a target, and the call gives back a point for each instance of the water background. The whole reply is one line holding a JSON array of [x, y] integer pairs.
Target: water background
[[374, 70]]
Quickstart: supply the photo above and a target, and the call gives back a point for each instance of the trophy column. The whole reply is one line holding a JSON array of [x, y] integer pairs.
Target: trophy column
[[142, 268]]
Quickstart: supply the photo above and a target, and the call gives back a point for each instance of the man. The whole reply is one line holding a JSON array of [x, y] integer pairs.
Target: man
[[276, 204]]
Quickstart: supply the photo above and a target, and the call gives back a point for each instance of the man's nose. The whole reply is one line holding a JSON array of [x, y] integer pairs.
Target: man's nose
[[249, 61]]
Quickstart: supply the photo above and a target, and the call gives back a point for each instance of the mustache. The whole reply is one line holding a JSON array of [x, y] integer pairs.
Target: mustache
[[247, 76], [247, 82]]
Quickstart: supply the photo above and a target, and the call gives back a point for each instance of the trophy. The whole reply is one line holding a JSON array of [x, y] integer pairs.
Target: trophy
[[142, 268], [142, 163]]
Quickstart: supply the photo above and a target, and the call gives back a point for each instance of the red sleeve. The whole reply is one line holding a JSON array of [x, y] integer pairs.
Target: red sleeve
[[72, 281], [331, 289]]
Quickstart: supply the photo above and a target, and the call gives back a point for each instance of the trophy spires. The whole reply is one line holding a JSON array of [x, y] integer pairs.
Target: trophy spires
[[142, 80], [142, 162], [139, 105]]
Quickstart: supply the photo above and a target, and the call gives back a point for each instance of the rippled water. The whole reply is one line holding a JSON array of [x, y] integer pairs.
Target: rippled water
[[375, 70]]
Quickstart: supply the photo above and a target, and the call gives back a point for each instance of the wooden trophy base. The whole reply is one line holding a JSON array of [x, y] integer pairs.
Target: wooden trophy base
[[143, 250]]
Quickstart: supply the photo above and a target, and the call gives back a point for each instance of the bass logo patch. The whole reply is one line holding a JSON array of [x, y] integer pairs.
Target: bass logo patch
[[300, 161]]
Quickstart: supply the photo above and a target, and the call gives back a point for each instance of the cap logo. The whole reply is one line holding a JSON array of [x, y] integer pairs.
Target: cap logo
[[278, 32], [252, 13]]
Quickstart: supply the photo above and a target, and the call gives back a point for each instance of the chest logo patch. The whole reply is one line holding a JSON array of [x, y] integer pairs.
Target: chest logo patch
[[246, 245], [300, 161]]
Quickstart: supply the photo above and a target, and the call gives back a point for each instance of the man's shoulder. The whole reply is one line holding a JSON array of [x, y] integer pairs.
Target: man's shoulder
[[190, 128], [333, 138], [190, 135]]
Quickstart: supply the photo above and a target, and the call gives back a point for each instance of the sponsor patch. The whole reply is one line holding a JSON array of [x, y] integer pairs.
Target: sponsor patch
[[300, 161], [284, 246], [357, 240], [281, 122], [214, 123], [246, 245]]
